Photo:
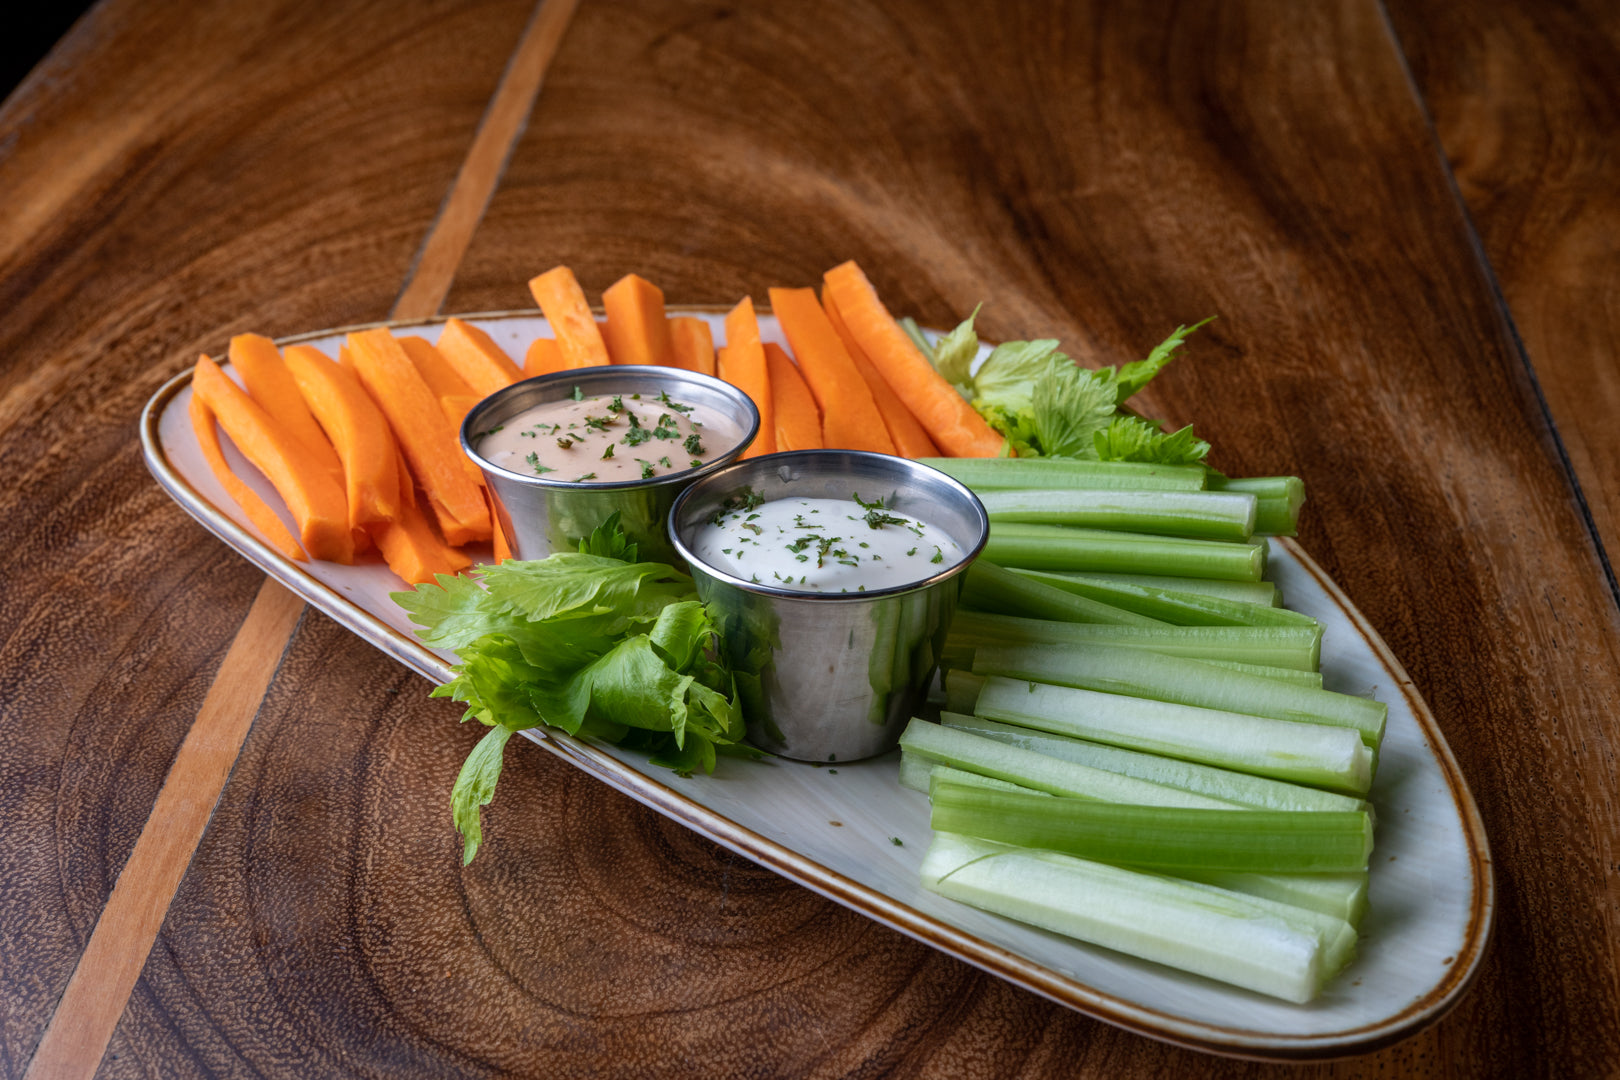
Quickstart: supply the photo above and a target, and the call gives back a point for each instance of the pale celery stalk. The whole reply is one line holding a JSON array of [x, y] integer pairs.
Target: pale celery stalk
[[1067, 474], [1167, 605], [1244, 789], [1330, 757], [1295, 647], [1279, 497], [1252, 592], [1198, 515], [1015, 765], [1185, 682], [988, 587], [1343, 896], [1235, 939], [1312, 679], [1167, 839], [914, 332], [918, 773], [1059, 547]]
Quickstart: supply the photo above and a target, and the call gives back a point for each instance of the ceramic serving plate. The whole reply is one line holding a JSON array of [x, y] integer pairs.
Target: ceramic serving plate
[[1432, 893]]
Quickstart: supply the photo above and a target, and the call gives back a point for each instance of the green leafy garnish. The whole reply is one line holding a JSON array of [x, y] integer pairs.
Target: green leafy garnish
[[539, 469], [953, 354], [1131, 438], [579, 395]]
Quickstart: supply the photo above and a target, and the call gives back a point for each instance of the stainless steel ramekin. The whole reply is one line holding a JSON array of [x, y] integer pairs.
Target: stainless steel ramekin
[[832, 676], [540, 515]]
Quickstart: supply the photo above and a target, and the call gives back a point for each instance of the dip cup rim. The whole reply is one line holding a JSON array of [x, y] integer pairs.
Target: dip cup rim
[[746, 407], [970, 551]]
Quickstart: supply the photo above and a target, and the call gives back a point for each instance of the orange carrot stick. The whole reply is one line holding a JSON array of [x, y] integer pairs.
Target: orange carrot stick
[[637, 332], [908, 436], [798, 419], [312, 496], [563, 302], [429, 441], [693, 342], [849, 417], [358, 432], [409, 545], [270, 385], [258, 511], [742, 364], [544, 357], [481, 363], [949, 420], [440, 375]]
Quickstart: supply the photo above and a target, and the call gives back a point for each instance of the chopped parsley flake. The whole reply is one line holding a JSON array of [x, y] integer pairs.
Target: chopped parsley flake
[[664, 399], [566, 442], [694, 444], [608, 452], [939, 556], [539, 469], [579, 395], [582, 479]]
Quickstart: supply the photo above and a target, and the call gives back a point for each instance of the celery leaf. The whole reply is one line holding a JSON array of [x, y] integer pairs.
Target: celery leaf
[[475, 787], [954, 355], [1131, 438], [1071, 406], [1138, 373]]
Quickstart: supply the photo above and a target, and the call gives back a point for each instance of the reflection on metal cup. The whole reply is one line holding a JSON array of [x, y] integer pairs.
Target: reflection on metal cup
[[832, 676], [539, 515]]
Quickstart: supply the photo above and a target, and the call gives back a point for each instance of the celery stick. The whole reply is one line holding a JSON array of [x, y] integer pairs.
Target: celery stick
[[914, 332], [1295, 647], [1186, 925], [1199, 515], [961, 690], [1343, 896], [1067, 474], [1312, 679], [1280, 498], [1252, 592], [1167, 605], [1058, 547], [917, 773], [1244, 789], [1330, 757], [1015, 765], [1169, 839], [988, 587], [1186, 682]]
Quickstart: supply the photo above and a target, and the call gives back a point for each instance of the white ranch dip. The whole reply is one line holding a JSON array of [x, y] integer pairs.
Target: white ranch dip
[[607, 439], [824, 545]]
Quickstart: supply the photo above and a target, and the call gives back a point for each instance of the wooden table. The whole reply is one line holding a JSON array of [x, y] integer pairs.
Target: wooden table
[[1405, 216]]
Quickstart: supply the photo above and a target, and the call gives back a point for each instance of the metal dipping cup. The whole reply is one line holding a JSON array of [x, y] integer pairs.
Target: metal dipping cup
[[539, 515], [832, 676]]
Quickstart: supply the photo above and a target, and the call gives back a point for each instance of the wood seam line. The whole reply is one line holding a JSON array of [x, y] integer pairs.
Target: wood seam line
[[498, 133], [83, 1023], [1504, 312]]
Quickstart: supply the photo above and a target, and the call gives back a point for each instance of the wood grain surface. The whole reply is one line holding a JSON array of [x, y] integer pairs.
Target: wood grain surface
[[1527, 105], [1095, 172]]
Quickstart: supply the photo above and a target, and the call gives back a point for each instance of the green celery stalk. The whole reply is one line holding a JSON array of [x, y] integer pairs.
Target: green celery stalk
[[1280, 498], [1015, 765], [1312, 679], [1186, 682], [1169, 839], [1198, 515], [918, 773], [962, 690], [1295, 647], [1166, 605], [1067, 474], [988, 587], [1251, 592], [1330, 757], [1059, 547], [1269, 948], [1242, 789]]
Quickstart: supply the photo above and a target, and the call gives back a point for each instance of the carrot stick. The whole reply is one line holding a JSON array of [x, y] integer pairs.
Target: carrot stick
[[441, 377], [908, 436], [258, 511], [742, 364], [850, 419], [409, 545], [481, 363], [270, 385], [693, 343], [563, 302], [798, 419], [637, 332], [949, 420], [429, 441], [358, 432], [312, 496], [544, 357]]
